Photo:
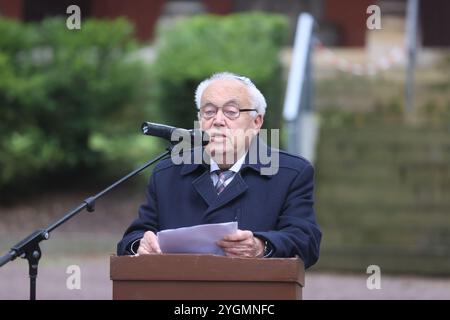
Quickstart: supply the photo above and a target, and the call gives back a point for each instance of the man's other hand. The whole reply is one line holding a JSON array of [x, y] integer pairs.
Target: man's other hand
[[243, 244], [149, 244]]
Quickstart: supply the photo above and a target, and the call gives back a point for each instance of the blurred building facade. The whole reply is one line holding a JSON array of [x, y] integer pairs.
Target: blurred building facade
[[341, 23]]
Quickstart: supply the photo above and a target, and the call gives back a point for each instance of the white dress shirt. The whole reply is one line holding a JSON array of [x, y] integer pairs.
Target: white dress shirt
[[235, 168]]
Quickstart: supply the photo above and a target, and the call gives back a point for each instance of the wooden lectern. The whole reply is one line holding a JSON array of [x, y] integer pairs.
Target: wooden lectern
[[205, 277]]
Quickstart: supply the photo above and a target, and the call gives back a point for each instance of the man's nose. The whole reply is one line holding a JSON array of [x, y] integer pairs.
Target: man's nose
[[219, 119]]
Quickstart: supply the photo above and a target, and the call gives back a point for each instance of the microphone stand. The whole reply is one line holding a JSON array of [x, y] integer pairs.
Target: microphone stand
[[29, 249]]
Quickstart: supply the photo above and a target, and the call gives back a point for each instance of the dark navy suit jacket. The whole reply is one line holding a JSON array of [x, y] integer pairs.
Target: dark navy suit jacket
[[277, 208]]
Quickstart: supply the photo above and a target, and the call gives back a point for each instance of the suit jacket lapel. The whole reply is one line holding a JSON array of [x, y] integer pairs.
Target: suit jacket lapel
[[204, 187], [236, 187]]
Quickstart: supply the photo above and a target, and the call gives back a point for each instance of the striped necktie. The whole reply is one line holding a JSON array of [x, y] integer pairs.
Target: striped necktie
[[223, 176]]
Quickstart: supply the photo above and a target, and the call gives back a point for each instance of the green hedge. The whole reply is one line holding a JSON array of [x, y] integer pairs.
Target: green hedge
[[62, 94], [194, 48]]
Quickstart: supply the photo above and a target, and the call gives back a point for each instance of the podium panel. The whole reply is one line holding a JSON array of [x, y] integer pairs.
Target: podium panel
[[205, 277]]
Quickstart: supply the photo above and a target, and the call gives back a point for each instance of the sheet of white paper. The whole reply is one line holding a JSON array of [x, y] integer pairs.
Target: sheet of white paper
[[196, 239]]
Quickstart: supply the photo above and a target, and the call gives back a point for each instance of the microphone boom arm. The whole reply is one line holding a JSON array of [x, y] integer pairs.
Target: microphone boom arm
[[29, 249]]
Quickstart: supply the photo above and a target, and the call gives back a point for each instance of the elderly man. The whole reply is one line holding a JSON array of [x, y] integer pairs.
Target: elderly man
[[274, 212]]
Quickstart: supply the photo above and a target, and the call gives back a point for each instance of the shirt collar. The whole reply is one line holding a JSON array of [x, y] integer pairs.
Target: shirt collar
[[241, 164], [235, 167]]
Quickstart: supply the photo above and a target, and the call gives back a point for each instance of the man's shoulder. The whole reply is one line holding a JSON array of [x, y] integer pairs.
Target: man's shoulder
[[291, 161], [168, 165], [286, 160], [164, 165]]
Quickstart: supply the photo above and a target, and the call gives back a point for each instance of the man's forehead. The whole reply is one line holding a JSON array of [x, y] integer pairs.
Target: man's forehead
[[228, 89], [231, 102]]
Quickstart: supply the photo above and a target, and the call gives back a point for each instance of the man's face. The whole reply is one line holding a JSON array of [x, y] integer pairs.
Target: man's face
[[229, 137]]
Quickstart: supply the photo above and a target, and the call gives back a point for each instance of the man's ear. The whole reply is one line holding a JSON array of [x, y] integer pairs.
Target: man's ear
[[258, 121]]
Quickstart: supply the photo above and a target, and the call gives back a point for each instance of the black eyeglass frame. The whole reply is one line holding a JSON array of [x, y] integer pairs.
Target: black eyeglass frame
[[217, 109]]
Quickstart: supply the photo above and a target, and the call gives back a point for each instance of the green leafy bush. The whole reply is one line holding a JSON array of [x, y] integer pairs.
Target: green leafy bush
[[62, 89], [194, 48]]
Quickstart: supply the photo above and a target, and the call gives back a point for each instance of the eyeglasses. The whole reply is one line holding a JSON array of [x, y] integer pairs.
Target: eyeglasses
[[231, 112]]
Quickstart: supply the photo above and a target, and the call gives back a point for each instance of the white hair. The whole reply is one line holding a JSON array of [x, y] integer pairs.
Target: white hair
[[257, 99]]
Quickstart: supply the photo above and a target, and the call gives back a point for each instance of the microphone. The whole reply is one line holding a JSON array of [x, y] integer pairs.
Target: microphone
[[197, 137]]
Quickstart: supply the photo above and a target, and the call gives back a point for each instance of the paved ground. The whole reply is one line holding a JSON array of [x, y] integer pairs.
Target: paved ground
[[95, 283], [336, 286], [87, 241]]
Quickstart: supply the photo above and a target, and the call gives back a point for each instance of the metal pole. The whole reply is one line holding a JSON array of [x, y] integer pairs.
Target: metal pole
[[411, 47], [296, 81]]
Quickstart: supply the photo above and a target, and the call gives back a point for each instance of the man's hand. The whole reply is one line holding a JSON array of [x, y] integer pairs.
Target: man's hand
[[242, 243], [149, 244]]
